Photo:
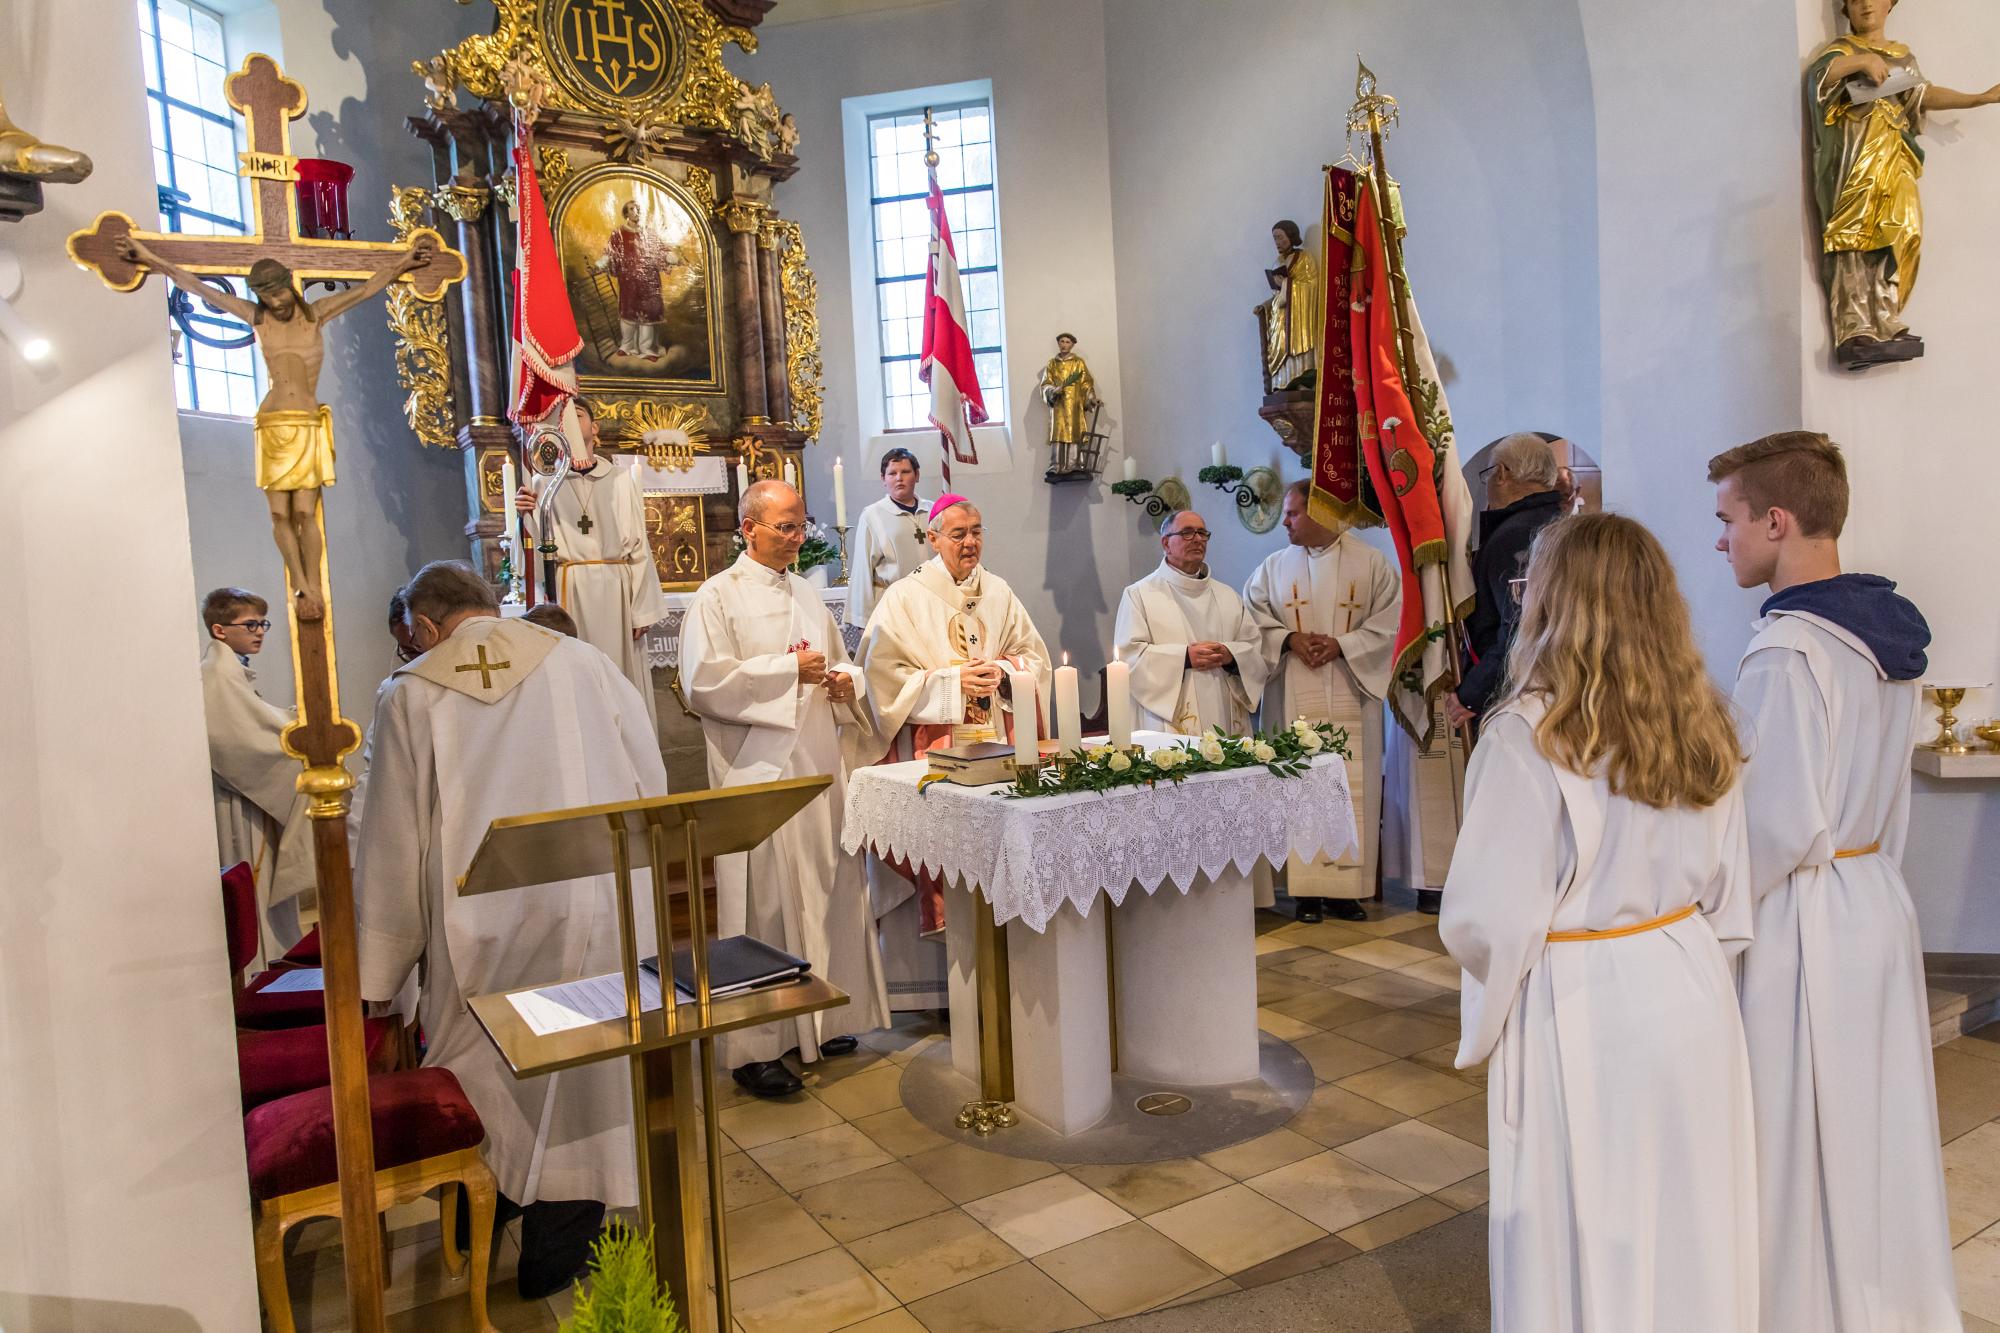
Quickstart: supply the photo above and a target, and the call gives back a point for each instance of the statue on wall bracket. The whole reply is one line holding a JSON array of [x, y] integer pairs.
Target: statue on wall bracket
[[1071, 395], [1865, 106]]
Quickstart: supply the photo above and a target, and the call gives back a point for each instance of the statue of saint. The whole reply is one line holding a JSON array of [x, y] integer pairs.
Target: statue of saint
[[1865, 105], [1068, 390], [294, 429], [1292, 315]]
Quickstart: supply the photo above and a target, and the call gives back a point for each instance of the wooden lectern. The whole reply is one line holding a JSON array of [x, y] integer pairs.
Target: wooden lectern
[[664, 833]]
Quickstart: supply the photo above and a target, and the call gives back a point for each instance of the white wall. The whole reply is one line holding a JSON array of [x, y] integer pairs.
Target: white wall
[[1920, 443], [122, 1196]]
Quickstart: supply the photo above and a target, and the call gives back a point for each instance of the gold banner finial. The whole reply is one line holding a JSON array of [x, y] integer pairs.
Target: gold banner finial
[[930, 139]]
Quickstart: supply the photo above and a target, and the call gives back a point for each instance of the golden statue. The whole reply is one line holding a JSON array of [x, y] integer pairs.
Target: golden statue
[[1865, 105], [1070, 393], [1292, 315], [294, 429]]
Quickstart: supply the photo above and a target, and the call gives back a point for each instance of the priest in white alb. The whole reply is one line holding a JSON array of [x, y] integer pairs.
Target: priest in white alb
[[1327, 605], [260, 813], [501, 717], [605, 576], [936, 657], [1195, 652], [764, 665], [891, 539]]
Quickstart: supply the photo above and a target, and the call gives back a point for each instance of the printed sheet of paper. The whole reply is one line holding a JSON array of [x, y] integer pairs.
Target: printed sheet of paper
[[578, 1004], [297, 981]]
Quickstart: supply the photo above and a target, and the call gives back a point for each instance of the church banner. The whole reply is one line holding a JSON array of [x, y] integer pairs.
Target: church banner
[[1340, 491]]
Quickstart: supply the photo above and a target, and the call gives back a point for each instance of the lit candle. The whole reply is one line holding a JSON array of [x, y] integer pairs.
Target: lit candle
[[839, 494], [1131, 468], [1027, 723], [508, 486], [1221, 458], [1118, 702], [742, 477], [1069, 712]]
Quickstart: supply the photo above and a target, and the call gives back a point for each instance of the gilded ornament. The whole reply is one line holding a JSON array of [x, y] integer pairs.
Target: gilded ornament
[[701, 184], [634, 142], [423, 355], [741, 215], [756, 119], [764, 462], [669, 434], [800, 290], [555, 164], [439, 94], [463, 203], [767, 233], [507, 189]]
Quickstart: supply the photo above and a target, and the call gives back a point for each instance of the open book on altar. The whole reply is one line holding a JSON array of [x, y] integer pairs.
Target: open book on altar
[[736, 966]]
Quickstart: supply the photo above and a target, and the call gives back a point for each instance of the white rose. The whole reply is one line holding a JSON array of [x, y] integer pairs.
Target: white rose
[[1301, 727], [1164, 759], [1309, 741], [1118, 762], [1211, 749], [1263, 753]]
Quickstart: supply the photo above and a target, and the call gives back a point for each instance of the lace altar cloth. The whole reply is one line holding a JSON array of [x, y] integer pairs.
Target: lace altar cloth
[[1029, 857]]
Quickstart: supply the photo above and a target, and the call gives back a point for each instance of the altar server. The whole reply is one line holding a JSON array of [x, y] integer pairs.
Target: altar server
[[1326, 607], [500, 717], [605, 576], [1850, 1180], [1598, 892], [936, 657], [764, 665], [890, 540], [260, 814], [1196, 654]]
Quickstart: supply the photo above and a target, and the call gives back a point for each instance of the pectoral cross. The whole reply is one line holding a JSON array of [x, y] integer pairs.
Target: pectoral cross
[[1351, 605], [486, 668], [584, 525], [1297, 607]]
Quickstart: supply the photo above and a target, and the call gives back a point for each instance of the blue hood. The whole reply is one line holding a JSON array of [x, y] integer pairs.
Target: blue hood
[[1868, 607]]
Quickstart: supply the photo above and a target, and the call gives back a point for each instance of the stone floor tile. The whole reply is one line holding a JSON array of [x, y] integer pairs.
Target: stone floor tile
[[1325, 1009], [871, 1201], [1409, 1088], [832, 1070], [1147, 1187], [1334, 1116], [1334, 1056], [866, 1092], [1046, 1214], [1972, 1181], [813, 1159], [1283, 1026], [1399, 1033], [1443, 972], [1443, 1059], [1424, 1158], [745, 1183], [1466, 1195], [1235, 1228], [1465, 1120], [931, 1254], [1328, 970], [1391, 990], [1020, 1299], [1395, 1224], [1126, 1269], [899, 1133], [826, 1291], [1274, 985], [1391, 923], [755, 1123], [1265, 1153], [1323, 1253], [1220, 1287], [774, 1232], [1984, 1043], [1331, 1192], [896, 1321], [1978, 1265], [963, 1173], [1325, 936], [1968, 1092], [1388, 954]]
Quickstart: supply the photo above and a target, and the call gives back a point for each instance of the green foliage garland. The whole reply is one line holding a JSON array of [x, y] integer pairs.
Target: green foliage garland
[[1285, 753]]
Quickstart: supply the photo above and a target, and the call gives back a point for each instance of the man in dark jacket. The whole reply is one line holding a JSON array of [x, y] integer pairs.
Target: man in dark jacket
[[1523, 496]]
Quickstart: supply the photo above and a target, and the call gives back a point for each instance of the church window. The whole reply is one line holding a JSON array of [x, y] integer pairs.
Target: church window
[[898, 187], [195, 141]]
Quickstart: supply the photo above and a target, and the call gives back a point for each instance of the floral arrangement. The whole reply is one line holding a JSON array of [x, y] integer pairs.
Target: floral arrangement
[[1220, 476], [1285, 753], [1136, 486]]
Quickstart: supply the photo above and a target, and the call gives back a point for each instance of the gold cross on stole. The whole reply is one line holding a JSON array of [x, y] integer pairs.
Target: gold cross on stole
[[1297, 607], [1351, 605], [486, 668]]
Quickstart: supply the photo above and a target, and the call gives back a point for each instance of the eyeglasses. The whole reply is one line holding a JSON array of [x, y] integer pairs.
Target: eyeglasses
[[782, 529], [960, 539], [259, 625], [408, 653], [1202, 533]]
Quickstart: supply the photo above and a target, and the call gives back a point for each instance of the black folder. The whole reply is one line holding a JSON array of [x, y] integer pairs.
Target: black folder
[[736, 965]]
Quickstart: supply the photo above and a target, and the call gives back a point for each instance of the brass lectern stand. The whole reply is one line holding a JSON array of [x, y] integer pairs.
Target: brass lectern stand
[[665, 833]]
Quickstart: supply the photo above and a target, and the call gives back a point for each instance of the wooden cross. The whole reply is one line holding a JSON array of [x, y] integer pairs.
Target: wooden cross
[[1297, 607], [1351, 605], [269, 101], [485, 668], [584, 525]]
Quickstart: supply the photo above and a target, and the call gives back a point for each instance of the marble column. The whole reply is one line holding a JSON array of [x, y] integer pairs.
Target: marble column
[[777, 374], [741, 217]]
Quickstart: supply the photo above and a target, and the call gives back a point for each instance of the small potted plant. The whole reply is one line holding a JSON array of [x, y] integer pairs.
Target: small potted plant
[[620, 1294]]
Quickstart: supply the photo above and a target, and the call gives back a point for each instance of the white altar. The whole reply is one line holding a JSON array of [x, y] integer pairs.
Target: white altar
[[1177, 969]]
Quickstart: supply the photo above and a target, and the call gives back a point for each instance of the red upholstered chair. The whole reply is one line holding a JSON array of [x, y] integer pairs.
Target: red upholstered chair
[[426, 1136], [255, 1008], [306, 952], [294, 1060]]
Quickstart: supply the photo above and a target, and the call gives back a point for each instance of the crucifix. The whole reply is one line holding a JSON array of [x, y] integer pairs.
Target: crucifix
[[1351, 605], [485, 668], [294, 460]]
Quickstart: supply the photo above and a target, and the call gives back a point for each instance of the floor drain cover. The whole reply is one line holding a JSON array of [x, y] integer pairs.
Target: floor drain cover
[[1165, 1103]]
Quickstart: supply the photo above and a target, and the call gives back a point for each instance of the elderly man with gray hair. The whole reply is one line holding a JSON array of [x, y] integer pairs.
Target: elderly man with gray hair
[[1523, 496]]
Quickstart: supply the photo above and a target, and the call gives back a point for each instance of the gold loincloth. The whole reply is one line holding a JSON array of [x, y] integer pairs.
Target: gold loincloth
[[295, 449]]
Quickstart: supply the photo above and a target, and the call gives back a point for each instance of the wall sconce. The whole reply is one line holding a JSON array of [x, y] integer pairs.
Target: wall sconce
[[30, 345]]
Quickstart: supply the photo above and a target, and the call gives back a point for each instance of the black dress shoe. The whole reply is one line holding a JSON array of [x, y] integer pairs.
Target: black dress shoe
[[767, 1078], [1430, 901], [1309, 911], [839, 1046], [1348, 909]]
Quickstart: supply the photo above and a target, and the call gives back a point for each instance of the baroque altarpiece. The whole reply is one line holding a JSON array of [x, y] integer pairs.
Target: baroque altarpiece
[[694, 296]]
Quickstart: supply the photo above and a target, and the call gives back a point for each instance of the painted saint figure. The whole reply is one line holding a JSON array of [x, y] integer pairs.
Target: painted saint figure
[[636, 262], [294, 429], [1865, 105], [1070, 393]]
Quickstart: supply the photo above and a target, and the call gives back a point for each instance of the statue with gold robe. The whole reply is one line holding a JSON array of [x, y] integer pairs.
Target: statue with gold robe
[[1292, 315], [1070, 394], [1866, 101]]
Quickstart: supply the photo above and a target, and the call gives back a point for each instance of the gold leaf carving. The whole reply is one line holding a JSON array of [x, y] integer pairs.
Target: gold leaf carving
[[423, 354], [800, 290], [701, 184], [555, 164]]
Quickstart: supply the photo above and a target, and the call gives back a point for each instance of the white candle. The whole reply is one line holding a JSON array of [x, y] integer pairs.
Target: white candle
[[1221, 458], [1118, 703], [839, 494], [791, 474], [1069, 711], [508, 486], [1131, 468], [742, 477], [1027, 723]]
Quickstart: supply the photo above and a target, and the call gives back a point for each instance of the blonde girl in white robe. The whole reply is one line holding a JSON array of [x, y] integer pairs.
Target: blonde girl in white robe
[[1596, 898]]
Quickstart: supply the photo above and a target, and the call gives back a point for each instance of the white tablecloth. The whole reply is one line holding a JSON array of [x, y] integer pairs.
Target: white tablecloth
[[1029, 857]]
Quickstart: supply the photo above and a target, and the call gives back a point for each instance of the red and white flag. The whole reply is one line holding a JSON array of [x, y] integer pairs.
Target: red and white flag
[[956, 404], [546, 340]]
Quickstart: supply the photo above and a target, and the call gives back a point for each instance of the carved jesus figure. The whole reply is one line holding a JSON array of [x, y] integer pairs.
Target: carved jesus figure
[[294, 429]]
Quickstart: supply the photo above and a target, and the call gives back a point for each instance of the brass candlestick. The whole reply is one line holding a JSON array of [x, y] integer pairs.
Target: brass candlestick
[[1946, 742]]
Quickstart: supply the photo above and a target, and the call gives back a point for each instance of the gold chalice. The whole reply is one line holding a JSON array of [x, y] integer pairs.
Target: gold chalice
[[1946, 741]]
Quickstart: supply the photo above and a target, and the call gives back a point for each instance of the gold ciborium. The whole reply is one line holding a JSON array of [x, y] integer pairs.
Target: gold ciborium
[[1990, 733], [1946, 741]]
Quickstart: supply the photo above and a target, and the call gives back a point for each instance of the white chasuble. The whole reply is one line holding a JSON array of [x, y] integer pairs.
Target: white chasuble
[[505, 718], [1618, 1113], [260, 814], [1850, 1176], [1349, 590], [605, 576], [797, 891], [889, 542], [1158, 617]]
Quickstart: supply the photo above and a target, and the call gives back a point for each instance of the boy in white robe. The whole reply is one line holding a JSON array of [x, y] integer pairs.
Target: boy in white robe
[[1850, 1174], [260, 814], [1326, 606], [764, 665], [605, 575], [1196, 656], [890, 540], [500, 717]]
